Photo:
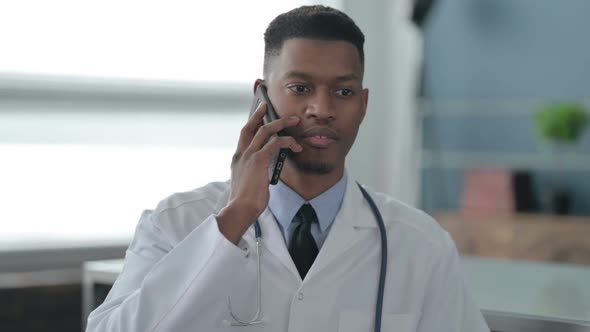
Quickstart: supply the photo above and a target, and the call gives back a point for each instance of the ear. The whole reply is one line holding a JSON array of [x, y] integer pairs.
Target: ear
[[258, 82], [365, 102]]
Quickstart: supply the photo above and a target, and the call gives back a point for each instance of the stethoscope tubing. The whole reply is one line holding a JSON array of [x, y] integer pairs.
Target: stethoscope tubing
[[382, 272], [383, 269]]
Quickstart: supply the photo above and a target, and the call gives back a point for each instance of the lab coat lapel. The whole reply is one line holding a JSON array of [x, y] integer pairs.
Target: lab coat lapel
[[353, 222], [274, 242]]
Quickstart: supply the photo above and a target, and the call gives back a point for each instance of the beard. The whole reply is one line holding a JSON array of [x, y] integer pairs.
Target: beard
[[314, 168], [310, 166]]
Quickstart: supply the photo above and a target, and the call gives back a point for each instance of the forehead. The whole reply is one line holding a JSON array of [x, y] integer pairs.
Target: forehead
[[317, 58]]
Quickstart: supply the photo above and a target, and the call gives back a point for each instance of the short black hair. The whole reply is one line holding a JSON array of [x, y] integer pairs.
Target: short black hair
[[313, 22]]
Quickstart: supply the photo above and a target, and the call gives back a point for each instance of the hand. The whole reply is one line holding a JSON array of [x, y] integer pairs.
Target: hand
[[249, 193]]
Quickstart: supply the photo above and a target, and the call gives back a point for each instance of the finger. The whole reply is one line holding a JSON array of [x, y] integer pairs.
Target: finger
[[276, 143], [268, 130], [251, 127]]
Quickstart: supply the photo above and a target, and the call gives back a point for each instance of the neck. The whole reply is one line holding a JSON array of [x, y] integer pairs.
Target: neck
[[309, 185]]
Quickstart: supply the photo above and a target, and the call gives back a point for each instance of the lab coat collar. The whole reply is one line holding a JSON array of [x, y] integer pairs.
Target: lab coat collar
[[285, 202], [343, 233], [354, 222]]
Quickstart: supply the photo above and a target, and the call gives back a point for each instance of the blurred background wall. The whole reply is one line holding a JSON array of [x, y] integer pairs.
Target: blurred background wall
[[489, 66]]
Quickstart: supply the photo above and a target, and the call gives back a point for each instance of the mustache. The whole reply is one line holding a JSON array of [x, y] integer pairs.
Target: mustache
[[317, 130]]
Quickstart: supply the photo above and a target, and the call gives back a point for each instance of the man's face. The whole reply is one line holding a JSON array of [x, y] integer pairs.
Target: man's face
[[319, 81]]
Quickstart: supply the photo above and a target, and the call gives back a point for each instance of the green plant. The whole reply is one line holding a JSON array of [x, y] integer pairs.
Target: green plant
[[561, 122]]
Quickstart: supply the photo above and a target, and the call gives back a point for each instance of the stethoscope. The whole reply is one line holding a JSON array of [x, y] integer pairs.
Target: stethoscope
[[257, 317]]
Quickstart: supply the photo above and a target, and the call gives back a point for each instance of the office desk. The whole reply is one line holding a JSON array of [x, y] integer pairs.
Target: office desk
[[514, 296]]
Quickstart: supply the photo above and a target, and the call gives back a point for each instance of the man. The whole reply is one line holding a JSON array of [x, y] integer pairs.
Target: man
[[193, 263]]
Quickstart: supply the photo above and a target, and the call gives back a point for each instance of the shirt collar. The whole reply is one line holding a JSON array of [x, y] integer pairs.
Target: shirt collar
[[284, 203]]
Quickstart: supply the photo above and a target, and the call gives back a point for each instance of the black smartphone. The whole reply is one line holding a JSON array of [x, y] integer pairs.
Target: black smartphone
[[261, 95]]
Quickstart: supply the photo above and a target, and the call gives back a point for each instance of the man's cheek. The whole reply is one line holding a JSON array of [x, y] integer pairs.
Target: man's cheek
[[291, 132]]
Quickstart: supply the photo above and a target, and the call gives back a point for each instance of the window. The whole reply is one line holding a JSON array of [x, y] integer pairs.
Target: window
[[172, 40], [108, 107], [55, 189]]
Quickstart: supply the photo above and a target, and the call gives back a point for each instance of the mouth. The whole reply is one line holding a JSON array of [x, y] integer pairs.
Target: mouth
[[320, 137]]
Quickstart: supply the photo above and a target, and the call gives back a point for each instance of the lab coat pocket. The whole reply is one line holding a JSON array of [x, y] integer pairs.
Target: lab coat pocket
[[361, 321]]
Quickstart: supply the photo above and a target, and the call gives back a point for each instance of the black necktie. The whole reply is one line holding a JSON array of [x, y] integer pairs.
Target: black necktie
[[302, 247]]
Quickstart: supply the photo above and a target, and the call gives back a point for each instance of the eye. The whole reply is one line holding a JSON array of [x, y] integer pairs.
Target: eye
[[299, 88], [345, 92]]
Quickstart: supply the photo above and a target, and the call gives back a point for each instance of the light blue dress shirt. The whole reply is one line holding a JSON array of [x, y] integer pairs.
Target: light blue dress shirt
[[284, 203]]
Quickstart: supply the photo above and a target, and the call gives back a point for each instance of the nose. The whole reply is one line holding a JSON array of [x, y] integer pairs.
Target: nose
[[321, 106]]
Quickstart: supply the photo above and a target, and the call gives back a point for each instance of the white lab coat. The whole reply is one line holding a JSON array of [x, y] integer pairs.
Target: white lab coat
[[180, 270]]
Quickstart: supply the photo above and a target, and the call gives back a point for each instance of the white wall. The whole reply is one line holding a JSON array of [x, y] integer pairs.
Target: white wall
[[385, 155]]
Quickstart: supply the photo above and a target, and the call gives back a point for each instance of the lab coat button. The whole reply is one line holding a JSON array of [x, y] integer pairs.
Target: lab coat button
[[300, 296], [246, 252]]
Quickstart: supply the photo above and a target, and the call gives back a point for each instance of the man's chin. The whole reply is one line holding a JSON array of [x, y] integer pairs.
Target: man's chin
[[315, 168], [312, 164]]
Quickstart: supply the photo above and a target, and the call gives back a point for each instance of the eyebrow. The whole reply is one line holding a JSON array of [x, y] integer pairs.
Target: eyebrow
[[306, 76]]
